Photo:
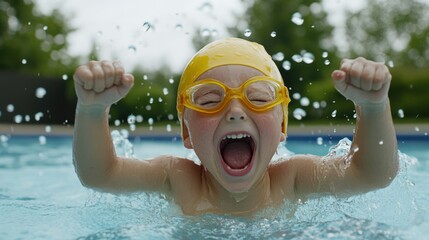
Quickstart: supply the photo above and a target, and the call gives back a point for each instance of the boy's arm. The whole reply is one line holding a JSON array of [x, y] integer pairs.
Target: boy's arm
[[372, 161], [98, 85]]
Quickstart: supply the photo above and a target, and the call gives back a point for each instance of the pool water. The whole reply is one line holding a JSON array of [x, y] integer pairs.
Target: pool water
[[42, 198]]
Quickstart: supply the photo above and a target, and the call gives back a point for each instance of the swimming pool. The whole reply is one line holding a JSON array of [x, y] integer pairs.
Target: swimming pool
[[41, 198]]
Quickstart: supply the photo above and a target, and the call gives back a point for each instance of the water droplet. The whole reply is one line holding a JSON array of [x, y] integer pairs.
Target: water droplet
[[286, 65], [151, 100], [139, 118], [150, 121], [65, 77], [214, 32], [308, 57], [165, 91], [18, 118], [324, 54], [171, 80], [278, 56], [10, 108], [299, 113], [28, 23], [179, 27], [117, 123], [48, 129], [168, 127], [391, 64], [206, 7], [42, 140], [131, 119], [27, 118], [381, 142], [401, 113], [170, 116], [319, 141], [334, 113], [145, 77], [147, 26], [24, 61], [148, 107], [297, 18], [296, 96], [297, 58], [45, 28], [205, 32], [304, 102], [132, 48], [327, 62], [247, 33], [273, 34], [40, 92], [417, 129], [3, 139], [316, 105], [160, 99]]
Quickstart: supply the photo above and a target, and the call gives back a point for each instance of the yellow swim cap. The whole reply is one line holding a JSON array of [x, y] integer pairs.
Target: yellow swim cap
[[229, 51]]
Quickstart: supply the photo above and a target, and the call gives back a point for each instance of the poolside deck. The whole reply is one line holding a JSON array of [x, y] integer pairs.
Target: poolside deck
[[417, 129]]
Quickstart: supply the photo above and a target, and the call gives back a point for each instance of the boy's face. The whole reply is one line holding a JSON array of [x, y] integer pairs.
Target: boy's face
[[236, 144]]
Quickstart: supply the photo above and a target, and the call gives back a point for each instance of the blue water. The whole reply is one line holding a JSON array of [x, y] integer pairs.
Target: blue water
[[41, 198]]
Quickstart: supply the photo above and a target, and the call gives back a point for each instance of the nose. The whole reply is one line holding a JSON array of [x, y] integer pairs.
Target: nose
[[236, 111]]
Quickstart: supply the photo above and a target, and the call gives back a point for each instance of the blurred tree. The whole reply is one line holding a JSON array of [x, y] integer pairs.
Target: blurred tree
[[298, 36], [392, 31], [31, 42], [395, 32], [34, 58]]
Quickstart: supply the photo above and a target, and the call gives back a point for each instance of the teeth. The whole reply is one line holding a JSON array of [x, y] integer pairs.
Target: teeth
[[236, 136]]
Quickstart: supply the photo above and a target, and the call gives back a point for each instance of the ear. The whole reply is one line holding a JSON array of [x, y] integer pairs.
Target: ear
[[185, 137]]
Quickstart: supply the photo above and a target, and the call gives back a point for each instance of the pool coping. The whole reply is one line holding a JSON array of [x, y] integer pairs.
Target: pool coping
[[296, 132]]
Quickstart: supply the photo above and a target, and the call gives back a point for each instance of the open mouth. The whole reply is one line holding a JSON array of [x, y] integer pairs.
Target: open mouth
[[237, 152]]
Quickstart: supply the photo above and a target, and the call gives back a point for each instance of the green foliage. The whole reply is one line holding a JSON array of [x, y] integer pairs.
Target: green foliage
[[153, 96], [390, 30], [290, 30], [31, 42]]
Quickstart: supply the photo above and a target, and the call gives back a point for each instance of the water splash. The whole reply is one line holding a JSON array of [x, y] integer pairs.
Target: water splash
[[121, 143], [334, 113]]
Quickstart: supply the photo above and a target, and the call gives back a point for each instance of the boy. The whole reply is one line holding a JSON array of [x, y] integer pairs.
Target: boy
[[232, 105]]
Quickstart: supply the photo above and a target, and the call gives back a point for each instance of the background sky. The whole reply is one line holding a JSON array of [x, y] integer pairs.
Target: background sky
[[147, 34]]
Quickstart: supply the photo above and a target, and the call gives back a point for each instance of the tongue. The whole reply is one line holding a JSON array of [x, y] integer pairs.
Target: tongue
[[237, 154]]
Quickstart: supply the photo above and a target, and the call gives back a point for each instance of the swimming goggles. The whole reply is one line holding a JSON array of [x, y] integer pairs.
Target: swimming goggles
[[210, 96]]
